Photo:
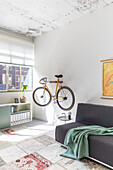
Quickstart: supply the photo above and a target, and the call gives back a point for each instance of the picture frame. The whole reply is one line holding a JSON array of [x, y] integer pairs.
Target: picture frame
[[107, 79]]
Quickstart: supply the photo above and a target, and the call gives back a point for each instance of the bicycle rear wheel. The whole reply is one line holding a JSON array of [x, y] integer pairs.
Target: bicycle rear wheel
[[41, 97], [65, 98]]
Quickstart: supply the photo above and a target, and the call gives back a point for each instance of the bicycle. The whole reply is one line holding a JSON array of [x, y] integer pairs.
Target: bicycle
[[64, 96]]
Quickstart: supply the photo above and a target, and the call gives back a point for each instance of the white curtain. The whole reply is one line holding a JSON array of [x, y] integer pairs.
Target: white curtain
[[16, 50]]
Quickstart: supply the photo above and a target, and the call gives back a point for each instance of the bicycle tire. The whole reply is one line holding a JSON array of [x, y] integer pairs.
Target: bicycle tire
[[73, 98], [34, 99]]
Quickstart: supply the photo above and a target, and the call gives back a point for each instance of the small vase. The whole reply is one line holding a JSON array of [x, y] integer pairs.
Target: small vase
[[22, 99]]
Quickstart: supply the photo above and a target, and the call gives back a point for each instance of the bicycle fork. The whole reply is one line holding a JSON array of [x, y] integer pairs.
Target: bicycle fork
[[43, 93]]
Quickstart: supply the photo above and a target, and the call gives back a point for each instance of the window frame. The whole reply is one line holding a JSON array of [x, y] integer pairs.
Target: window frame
[[7, 78], [21, 76]]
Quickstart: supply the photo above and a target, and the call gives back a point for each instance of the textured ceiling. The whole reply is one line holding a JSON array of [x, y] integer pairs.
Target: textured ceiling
[[36, 17]]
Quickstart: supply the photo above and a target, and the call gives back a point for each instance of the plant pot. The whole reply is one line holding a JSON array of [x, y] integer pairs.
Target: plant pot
[[22, 99]]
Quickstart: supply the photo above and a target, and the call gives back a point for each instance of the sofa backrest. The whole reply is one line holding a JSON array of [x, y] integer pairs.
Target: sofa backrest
[[91, 114]]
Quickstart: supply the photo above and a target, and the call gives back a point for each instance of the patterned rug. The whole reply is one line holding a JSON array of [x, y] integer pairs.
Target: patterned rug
[[8, 132], [33, 161], [39, 153]]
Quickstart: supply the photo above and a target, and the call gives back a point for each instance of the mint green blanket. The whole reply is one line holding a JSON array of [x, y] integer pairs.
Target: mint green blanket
[[77, 140]]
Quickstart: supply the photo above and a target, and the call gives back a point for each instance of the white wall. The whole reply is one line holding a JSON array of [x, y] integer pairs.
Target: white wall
[[75, 50]]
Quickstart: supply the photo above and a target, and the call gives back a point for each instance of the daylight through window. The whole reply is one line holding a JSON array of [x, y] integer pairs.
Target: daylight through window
[[13, 77], [2, 77]]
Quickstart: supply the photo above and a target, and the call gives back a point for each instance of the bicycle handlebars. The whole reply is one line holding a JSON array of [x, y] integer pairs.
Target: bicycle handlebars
[[43, 79]]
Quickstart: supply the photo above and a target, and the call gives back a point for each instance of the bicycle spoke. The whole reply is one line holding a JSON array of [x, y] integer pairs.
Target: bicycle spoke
[[67, 100], [41, 97]]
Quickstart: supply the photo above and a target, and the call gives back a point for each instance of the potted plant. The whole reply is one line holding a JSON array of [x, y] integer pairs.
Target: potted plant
[[23, 98]]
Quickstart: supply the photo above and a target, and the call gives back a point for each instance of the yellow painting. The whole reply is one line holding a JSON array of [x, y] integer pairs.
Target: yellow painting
[[108, 79]]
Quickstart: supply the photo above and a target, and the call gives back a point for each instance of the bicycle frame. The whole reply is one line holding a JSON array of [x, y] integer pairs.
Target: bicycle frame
[[58, 85], [42, 95]]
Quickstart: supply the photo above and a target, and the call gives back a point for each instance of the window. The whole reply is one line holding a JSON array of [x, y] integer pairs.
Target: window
[[27, 75], [2, 77], [3, 67], [10, 68], [10, 80], [14, 77], [16, 62], [17, 76]]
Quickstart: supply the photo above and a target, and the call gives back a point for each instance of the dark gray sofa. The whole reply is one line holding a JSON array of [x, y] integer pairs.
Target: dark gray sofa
[[100, 147]]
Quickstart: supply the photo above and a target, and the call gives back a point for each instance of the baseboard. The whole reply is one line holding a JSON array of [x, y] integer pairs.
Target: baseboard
[[101, 162], [89, 157]]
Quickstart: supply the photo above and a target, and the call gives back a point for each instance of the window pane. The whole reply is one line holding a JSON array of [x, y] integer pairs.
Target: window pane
[[27, 77], [14, 77], [2, 77]]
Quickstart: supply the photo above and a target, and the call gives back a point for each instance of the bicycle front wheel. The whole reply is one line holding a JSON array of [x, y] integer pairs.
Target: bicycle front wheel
[[41, 97], [65, 98]]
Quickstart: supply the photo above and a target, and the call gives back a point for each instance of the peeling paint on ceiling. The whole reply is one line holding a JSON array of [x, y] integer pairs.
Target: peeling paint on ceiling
[[36, 17]]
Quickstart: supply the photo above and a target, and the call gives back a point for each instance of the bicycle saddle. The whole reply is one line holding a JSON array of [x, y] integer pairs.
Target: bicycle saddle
[[59, 76]]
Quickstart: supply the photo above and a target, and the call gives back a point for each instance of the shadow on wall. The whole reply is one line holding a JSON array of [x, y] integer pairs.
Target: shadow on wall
[[41, 113], [51, 112]]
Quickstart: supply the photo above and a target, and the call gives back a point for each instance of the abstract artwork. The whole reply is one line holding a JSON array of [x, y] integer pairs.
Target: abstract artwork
[[108, 79]]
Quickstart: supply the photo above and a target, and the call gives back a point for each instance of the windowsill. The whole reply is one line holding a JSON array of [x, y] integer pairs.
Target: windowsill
[[15, 91]]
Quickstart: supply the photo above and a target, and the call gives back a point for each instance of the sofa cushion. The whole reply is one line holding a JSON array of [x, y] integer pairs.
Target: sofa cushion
[[101, 148], [91, 114], [61, 130]]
